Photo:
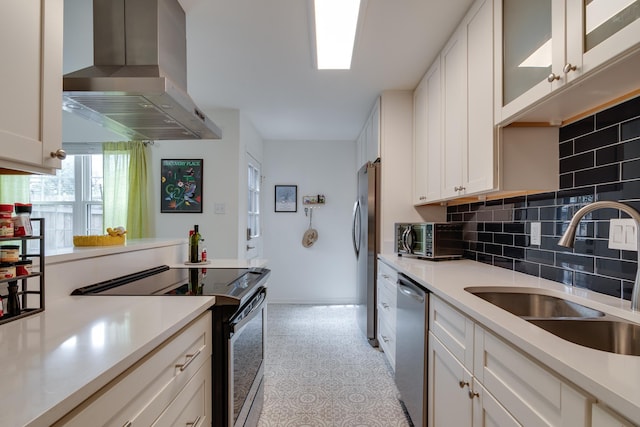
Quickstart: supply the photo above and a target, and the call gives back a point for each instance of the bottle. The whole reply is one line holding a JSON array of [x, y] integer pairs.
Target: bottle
[[194, 240], [13, 303], [22, 220]]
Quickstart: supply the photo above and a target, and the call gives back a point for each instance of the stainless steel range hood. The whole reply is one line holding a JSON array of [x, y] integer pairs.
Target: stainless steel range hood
[[137, 86]]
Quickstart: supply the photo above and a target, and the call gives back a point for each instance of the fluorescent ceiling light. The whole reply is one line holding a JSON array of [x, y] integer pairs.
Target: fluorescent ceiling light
[[541, 58], [335, 24]]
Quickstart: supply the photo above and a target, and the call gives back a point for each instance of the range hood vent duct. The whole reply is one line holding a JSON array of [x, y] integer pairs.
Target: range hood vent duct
[[137, 86]]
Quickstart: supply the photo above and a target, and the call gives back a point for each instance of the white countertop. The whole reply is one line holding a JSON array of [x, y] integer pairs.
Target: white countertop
[[82, 252], [612, 378], [54, 360]]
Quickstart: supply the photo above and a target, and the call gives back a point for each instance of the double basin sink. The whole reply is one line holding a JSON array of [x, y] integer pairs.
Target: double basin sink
[[566, 319]]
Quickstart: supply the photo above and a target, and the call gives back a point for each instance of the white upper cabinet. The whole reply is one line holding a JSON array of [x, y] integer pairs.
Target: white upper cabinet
[[427, 136], [31, 116], [368, 142], [544, 46]]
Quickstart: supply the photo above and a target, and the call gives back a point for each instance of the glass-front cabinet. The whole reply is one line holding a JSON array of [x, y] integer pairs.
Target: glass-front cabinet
[[607, 27], [546, 44]]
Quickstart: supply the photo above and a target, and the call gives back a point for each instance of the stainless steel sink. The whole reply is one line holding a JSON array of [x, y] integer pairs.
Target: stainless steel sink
[[535, 305], [566, 319], [612, 336]]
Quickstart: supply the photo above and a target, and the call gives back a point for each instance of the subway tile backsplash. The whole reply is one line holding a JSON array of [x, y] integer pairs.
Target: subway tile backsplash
[[599, 160]]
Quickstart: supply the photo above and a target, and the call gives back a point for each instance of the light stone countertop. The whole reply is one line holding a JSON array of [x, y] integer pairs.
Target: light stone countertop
[[54, 360], [614, 379]]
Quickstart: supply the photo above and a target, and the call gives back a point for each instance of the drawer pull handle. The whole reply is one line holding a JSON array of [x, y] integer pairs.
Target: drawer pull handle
[[462, 383], [386, 276], [385, 305], [127, 424], [190, 358], [194, 423], [385, 339], [473, 394]]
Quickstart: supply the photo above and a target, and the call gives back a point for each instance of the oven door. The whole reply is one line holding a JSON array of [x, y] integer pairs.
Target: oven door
[[246, 368]]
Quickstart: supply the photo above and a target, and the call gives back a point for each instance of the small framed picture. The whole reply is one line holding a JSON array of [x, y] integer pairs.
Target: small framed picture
[[286, 198]]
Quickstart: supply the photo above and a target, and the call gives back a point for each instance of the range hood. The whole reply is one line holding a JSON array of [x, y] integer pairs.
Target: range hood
[[137, 86]]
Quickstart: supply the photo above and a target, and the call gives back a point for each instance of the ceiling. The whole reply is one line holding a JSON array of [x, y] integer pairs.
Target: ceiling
[[256, 56]]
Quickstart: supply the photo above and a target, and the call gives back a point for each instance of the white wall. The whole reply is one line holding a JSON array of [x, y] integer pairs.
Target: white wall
[[220, 186], [325, 272]]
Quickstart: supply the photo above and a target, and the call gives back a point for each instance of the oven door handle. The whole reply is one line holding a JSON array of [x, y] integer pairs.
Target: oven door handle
[[236, 323]]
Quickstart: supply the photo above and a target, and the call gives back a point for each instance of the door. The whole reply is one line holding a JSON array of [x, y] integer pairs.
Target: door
[[254, 229]]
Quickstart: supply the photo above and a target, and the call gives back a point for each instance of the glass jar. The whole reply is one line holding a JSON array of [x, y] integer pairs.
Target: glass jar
[[6, 222], [9, 253], [22, 220]]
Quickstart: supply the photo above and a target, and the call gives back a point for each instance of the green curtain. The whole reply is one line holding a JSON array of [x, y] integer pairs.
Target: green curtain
[[125, 183], [14, 188]]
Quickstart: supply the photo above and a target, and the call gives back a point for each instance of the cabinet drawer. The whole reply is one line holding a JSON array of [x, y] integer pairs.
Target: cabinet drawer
[[453, 329], [387, 340], [601, 416], [387, 306], [535, 397], [152, 383], [190, 407], [386, 272]]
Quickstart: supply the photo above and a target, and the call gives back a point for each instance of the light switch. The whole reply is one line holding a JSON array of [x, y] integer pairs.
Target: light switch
[[623, 234], [219, 208], [536, 231]]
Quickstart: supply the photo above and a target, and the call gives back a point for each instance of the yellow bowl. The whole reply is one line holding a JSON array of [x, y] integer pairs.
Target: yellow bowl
[[105, 240]]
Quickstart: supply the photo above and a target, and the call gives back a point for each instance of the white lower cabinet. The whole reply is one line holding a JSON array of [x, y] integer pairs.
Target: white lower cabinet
[[169, 386], [500, 387], [601, 416], [387, 297]]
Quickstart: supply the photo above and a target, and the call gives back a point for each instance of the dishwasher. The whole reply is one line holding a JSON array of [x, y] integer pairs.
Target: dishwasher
[[411, 354]]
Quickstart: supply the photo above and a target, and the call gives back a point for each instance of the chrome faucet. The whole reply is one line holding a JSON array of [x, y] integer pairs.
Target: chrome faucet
[[568, 238]]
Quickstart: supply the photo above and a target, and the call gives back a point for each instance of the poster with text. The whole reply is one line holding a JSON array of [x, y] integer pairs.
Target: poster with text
[[181, 186]]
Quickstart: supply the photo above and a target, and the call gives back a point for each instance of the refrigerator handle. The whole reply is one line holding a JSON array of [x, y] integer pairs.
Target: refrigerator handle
[[355, 235]]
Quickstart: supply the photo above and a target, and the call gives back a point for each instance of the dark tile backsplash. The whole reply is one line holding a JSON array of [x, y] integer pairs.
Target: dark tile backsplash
[[599, 160]]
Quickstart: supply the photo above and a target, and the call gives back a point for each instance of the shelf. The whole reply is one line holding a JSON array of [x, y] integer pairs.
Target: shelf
[[30, 292]]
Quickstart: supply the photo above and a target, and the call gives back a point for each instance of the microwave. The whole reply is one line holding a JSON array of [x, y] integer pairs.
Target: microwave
[[431, 240]]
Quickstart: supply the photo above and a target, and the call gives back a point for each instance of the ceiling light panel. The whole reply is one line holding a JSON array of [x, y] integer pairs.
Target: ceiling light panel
[[335, 24]]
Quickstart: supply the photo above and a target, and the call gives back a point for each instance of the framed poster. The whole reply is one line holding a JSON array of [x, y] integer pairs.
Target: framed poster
[[181, 186], [286, 199]]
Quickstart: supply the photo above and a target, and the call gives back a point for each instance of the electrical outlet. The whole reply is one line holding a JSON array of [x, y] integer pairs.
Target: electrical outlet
[[536, 231], [623, 234]]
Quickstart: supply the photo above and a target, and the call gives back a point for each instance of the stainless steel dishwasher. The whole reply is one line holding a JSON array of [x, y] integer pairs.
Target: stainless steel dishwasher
[[411, 363]]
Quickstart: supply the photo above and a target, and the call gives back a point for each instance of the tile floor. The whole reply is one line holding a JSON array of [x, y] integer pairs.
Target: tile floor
[[320, 371]]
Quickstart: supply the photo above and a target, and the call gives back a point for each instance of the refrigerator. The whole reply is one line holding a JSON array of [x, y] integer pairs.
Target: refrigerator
[[366, 244]]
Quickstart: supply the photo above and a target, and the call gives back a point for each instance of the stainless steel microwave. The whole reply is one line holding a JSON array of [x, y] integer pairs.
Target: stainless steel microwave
[[432, 240]]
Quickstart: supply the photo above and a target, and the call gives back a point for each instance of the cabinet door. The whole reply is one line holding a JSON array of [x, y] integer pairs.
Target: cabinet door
[[478, 157], [373, 133], [488, 412], [31, 123], [454, 95], [449, 402], [530, 47], [599, 30], [428, 136]]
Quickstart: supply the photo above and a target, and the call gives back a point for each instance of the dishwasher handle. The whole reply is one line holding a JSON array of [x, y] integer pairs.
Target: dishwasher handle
[[406, 287]]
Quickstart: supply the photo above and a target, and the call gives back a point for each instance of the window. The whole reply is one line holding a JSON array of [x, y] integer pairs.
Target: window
[[71, 201], [253, 202]]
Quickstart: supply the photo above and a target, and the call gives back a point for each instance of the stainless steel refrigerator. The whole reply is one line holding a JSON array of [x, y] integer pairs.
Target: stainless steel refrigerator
[[366, 243]]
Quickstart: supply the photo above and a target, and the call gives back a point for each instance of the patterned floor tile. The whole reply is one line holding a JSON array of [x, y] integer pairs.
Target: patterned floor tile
[[320, 371]]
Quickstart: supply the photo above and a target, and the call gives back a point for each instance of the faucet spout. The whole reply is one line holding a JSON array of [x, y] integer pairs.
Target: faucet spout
[[568, 238]]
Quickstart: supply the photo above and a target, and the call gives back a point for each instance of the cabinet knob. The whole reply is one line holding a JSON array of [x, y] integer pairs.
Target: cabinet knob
[[193, 423], [459, 188], [552, 77], [568, 68], [59, 154], [473, 394], [462, 383]]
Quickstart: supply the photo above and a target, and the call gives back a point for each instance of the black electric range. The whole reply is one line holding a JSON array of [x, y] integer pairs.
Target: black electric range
[[238, 326], [231, 286]]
